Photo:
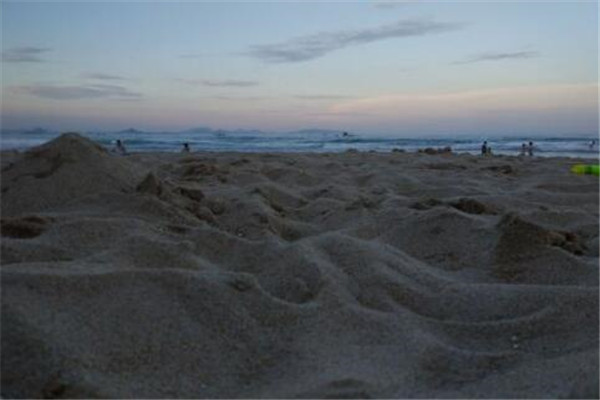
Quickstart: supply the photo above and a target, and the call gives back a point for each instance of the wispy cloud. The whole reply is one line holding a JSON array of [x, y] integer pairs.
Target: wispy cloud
[[104, 77], [218, 83], [229, 83], [498, 56], [238, 98], [318, 45], [323, 97], [24, 54], [77, 92], [335, 114]]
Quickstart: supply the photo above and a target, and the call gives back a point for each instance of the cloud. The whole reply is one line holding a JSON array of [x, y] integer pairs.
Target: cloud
[[323, 97], [77, 92], [219, 83], [318, 45], [238, 98], [104, 77], [499, 56], [24, 54], [229, 83], [333, 114]]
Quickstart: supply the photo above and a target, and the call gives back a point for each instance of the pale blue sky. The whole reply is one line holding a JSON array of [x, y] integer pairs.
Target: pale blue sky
[[407, 68]]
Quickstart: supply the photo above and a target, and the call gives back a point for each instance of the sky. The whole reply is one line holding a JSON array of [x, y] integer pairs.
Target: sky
[[405, 68]]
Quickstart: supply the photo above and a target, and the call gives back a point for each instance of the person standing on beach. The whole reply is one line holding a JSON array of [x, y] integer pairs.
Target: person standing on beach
[[530, 149], [484, 148], [186, 148]]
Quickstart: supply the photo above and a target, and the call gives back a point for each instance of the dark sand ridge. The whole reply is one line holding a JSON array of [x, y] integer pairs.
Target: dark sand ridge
[[296, 275]]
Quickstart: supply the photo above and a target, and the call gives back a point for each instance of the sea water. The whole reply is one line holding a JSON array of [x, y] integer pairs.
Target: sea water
[[206, 139]]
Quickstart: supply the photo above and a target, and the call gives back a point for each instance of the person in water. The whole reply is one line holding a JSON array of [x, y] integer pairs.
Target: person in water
[[186, 148], [530, 149], [523, 149], [120, 148], [484, 148]]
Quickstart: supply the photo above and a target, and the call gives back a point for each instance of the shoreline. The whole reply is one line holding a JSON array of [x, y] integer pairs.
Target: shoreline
[[318, 143]]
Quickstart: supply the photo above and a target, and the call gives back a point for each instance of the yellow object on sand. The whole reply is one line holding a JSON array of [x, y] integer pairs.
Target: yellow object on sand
[[586, 169]]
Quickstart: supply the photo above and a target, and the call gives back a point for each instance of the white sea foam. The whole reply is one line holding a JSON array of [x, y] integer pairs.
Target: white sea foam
[[306, 141]]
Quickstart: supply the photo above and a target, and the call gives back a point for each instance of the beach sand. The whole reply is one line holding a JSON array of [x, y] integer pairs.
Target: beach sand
[[235, 275]]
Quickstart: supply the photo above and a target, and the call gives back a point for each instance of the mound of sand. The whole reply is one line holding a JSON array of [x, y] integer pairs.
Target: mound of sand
[[64, 169], [307, 275]]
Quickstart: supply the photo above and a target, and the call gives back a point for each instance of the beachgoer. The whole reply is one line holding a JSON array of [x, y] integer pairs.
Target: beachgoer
[[186, 148], [120, 148], [523, 149], [484, 148], [530, 149], [592, 145]]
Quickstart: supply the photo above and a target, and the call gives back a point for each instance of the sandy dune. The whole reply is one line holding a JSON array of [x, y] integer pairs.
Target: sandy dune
[[364, 275]]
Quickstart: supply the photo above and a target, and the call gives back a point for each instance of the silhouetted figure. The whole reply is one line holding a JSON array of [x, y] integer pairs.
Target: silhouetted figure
[[120, 148], [523, 149], [484, 148], [186, 148], [530, 149]]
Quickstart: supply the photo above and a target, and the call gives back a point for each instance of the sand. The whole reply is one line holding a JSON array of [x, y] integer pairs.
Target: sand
[[228, 275]]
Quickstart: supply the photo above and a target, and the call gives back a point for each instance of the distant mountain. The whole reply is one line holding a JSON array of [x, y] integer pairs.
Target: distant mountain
[[256, 132], [203, 130], [38, 131], [317, 131], [324, 133], [247, 132], [129, 131]]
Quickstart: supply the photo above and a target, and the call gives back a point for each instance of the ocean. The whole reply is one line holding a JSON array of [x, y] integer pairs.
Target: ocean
[[315, 140]]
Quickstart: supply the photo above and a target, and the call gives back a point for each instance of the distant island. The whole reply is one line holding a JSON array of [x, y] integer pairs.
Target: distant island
[[130, 131]]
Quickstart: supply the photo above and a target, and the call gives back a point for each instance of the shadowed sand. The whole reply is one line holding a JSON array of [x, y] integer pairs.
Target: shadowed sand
[[365, 275]]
